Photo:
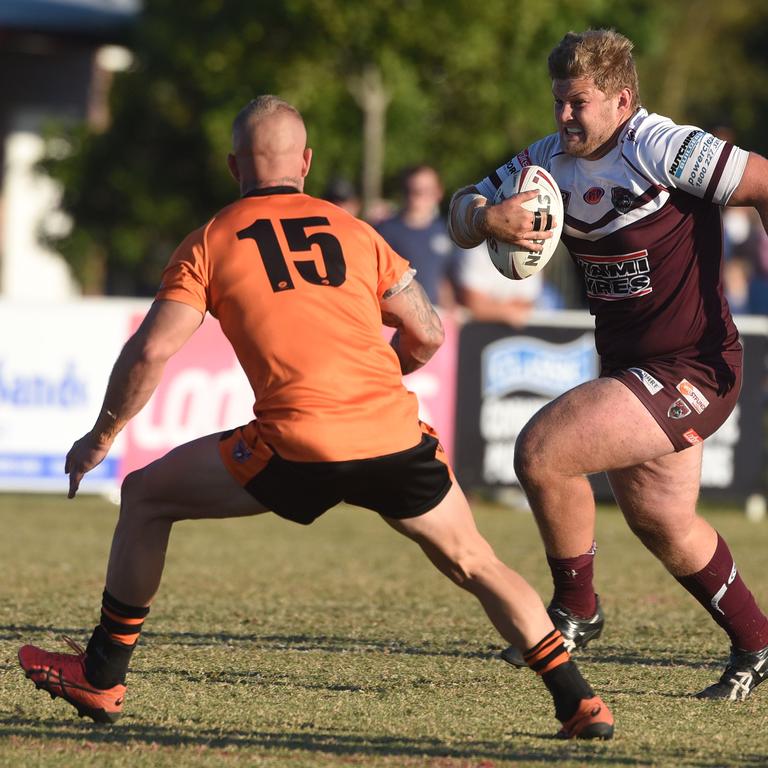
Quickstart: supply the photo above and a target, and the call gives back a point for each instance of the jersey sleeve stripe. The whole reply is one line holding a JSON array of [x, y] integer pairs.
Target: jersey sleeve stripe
[[718, 172], [495, 179]]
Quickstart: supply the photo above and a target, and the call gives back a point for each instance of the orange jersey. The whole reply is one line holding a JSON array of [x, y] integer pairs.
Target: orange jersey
[[295, 283]]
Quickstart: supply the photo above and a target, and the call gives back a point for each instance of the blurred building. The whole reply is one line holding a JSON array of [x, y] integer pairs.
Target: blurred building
[[57, 58]]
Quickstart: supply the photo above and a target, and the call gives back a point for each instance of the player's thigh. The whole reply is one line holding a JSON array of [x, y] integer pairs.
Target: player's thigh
[[193, 481], [448, 528], [596, 426], [660, 493]]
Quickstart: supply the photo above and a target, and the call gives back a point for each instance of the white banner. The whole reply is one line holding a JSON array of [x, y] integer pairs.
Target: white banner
[[55, 360]]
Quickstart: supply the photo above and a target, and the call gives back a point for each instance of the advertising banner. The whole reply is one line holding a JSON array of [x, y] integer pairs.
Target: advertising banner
[[505, 376], [478, 391], [55, 361]]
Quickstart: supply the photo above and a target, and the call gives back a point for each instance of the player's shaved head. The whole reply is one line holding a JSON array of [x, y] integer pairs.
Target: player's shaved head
[[269, 144]]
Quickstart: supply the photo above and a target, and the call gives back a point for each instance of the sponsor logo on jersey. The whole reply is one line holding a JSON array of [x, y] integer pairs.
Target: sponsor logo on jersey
[[693, 437], [511, 167], [622, 199], [523, 158], [692, 395], [651, 384], [700, 171], [684, 153], [613, 278], [594, 195], [679, 409]]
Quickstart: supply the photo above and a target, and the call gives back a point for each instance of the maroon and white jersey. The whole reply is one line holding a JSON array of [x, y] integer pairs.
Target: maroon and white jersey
[[643, 224]]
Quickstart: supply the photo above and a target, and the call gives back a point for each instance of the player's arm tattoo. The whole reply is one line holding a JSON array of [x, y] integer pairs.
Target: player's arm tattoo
[[419, 330]]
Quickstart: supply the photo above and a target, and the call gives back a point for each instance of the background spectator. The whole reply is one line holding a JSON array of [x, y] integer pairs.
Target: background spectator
[[756, 254], [342, 192], [490, 297], [419, 233]]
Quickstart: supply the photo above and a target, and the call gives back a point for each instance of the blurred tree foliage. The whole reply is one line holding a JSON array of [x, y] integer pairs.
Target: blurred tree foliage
[[466, 81]]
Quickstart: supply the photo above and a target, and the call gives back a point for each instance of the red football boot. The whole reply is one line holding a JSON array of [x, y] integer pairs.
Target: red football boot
[[592, 720], [63, 674]]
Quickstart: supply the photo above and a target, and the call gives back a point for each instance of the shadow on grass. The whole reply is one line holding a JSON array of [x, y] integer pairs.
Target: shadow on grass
[[345, 744], [313, 643], [611, 654], [287, 642], [126, 734]]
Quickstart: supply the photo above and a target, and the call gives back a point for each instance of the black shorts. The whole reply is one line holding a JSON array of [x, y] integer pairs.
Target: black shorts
[[398, 485], [689, 398]]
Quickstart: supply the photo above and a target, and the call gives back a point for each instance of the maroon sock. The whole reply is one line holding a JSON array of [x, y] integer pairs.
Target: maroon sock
[[720, 589], [572, 577]]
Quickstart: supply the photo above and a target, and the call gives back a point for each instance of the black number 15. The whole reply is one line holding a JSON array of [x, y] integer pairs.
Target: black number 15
[[263, 232]]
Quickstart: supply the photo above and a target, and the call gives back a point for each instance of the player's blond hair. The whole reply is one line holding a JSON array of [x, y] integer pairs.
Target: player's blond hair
[[601, 54], [258, 108]]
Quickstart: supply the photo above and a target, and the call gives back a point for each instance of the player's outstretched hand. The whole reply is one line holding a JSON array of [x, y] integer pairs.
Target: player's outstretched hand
[[87, 453]]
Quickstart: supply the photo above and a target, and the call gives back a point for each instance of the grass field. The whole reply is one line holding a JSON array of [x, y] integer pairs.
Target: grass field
[[275, 645]]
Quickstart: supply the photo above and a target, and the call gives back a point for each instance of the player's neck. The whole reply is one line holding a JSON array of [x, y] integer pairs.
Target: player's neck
[[604, 149], [250, 185]]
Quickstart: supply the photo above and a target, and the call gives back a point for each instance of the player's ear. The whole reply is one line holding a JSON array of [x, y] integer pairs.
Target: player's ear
[[307, 161], [625, 98], [233, 169]]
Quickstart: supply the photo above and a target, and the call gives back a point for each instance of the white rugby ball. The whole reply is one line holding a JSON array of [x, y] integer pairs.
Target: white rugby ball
[[518, 264]]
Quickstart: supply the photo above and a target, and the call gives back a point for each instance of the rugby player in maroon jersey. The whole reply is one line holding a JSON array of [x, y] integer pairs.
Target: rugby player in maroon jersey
[[642, 200]]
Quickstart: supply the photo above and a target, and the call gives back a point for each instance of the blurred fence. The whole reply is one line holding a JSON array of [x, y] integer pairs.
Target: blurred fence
[[478, 391]]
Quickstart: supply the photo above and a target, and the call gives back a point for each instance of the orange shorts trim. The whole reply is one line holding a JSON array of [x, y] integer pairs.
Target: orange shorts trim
[[244, 453]]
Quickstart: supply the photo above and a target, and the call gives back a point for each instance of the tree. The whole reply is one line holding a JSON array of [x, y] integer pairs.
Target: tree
[[456, 83]]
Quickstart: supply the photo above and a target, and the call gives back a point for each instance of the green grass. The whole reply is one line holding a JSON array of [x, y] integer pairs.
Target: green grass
[[275, 645]]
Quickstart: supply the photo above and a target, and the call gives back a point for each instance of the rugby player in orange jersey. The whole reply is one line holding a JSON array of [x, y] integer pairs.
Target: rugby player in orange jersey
[[300, 288]]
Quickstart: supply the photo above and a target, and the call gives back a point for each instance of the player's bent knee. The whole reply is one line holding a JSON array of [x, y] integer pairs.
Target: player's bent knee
[[137, 502], [473, 568], [132, 487], [531, 466], [657, 536]]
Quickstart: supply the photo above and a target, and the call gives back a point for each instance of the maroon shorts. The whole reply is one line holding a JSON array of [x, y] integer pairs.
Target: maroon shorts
[[689, 398]]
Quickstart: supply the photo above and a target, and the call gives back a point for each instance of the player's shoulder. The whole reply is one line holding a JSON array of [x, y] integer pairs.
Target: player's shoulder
[[194, 239], [650, 136], [542, 151], [343, 224]]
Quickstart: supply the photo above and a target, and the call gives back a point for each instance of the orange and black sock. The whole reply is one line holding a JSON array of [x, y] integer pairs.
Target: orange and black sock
[[112, 642], [550, 659]]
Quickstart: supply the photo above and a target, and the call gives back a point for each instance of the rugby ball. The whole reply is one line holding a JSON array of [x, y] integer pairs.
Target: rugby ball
[[519, 264]]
